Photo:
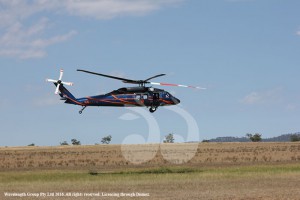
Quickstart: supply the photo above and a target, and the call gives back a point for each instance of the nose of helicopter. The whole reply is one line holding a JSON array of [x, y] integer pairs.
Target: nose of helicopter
[[175, 100]]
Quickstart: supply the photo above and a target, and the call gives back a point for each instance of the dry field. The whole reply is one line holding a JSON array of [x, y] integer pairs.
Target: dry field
[[110, 157], [217, 171]]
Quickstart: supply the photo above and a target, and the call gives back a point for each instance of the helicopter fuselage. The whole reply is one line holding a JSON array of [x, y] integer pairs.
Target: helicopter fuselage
[[129, 96]]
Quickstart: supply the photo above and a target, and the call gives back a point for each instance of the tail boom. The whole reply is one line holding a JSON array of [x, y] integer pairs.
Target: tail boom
[[68, 96]]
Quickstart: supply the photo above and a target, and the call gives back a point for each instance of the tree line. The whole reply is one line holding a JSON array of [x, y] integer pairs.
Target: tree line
[[107, 139], [104, 140], [256, 137]]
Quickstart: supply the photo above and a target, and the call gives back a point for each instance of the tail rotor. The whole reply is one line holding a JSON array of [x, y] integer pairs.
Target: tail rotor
[[59, 82]]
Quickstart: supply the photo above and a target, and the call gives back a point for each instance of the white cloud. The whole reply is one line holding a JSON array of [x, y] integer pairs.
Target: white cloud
[[22, 39], [264, 97], [23, 22], [28, 42], [107, 9]]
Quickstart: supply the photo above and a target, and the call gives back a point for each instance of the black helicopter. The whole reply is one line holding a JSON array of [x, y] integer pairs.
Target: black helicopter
[[127, 96]]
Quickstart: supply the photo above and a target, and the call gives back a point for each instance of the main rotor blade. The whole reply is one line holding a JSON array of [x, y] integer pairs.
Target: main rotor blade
[[108, 76], [154, 77], [177, 85]]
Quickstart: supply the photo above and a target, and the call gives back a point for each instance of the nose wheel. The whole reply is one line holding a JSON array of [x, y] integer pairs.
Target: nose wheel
[[152, 109]]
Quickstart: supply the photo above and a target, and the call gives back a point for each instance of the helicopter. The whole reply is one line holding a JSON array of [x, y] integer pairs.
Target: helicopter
[[140, 95]]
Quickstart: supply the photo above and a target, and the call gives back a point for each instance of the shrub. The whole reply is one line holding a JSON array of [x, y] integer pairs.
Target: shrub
[[106, 140], [254, 138], [75, 142], [169, 138]]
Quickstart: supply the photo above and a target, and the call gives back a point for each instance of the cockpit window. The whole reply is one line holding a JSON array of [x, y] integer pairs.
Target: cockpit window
[[138, 97]]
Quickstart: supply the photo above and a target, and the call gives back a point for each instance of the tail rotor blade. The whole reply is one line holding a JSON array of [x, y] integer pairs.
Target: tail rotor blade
[[67, 83], [51, 80], [57, 89], [61, 74]]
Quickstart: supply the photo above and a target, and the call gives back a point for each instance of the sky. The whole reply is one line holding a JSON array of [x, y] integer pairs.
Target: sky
[[245, 52]]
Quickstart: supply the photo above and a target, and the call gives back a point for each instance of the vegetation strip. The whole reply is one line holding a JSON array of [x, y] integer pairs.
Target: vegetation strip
[[54, 175]]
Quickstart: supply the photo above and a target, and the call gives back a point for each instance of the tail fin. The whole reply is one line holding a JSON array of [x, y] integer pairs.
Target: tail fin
[[66, 95]]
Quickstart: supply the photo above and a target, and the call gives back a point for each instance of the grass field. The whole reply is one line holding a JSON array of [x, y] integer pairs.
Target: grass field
[[217, 171]]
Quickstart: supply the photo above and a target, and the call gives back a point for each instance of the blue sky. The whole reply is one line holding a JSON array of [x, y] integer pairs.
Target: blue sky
[[245, 52]]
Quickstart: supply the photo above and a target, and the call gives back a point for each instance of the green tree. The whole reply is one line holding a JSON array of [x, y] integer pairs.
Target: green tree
[[254, 137], [75, 142], [106, 139], [31, 145], [169, 138]]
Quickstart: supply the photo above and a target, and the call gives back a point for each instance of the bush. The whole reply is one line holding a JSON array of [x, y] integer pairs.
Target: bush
[[169, 138], [254, 138], [106, 140], [75, 142]]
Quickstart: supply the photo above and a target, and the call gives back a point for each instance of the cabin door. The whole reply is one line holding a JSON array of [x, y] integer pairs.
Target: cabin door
[[155, 99]]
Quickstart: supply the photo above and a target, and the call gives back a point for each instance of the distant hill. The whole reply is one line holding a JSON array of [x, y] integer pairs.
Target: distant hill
[[281, 138], [230, 139]]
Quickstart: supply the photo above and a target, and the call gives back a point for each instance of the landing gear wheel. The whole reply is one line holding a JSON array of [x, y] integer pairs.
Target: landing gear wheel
[[80, 111], [152, 109]]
